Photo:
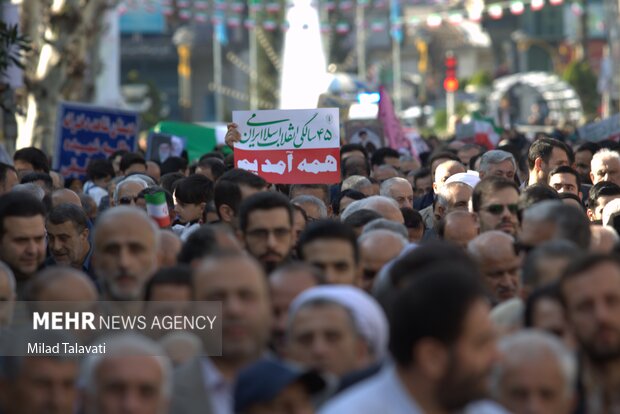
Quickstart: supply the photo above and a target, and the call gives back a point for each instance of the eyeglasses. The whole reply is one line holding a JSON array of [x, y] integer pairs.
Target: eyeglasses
[[127, 200], [497, 209], [263, 234]]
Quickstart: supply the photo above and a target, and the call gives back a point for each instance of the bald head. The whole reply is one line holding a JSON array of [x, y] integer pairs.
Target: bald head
[[153, 170], [387, 207], [499, 264], [489, 243], [65, 196], [61, 283], [378, 247], [169, 248], [604, 239], [460, 227], [446, 170]]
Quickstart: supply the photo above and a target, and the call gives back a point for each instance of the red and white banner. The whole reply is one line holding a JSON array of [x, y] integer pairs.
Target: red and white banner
[[290, 146]]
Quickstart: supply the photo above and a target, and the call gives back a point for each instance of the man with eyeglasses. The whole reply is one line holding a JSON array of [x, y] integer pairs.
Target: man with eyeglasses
[[127, 191], [266, 227], [495, 200]]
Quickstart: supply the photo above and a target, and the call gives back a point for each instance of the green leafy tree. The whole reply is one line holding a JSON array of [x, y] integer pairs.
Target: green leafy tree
[[581, 77]]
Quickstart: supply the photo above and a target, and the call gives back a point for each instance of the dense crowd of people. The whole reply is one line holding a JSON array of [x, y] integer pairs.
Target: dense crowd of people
[[475, 281]]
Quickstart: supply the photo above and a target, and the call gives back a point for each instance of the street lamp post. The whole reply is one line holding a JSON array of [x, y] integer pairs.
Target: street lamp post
[[183, 39]]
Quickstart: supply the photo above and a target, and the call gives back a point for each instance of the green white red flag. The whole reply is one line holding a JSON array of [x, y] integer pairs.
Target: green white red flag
[[157, 208]]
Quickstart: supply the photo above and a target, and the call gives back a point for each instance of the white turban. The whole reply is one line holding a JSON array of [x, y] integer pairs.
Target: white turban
[[368, 316]]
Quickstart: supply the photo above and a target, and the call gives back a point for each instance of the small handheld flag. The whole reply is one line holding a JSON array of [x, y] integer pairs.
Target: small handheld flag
[[157, 208]]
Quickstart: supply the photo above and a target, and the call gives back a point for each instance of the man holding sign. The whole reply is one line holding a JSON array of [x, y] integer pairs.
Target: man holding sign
[[288, 147]]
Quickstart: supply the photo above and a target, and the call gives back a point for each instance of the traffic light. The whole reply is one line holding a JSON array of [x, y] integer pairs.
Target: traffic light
[[451, 83]]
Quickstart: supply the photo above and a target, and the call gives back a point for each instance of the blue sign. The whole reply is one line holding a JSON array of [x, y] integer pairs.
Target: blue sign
[[86, 132]]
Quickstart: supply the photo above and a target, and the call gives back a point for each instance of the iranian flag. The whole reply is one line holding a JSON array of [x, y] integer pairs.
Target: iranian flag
[[479, 130], [157, 208]]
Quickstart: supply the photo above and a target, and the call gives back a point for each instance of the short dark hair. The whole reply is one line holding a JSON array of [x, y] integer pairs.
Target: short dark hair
[[361, 218], [413, 218], [4, 169], [346, 165], [544, 292], [592, 147], [421, 173], [328, 229], [19, 204], [176, 275], [39, 176], [379, 156], [266, 200], [322, 187], [228, 188], [68, 212], [213, 154], [34, 156], [130, 159], [450, 155], [100, 168], [543, 147], [194, 189], [565, 169], [581, 265], [353, 147], [602, 189], [173, 164], [171, 180], [488, 186], [201, 243], [216, 165], [537, 193], [564, 196], [417, 313], [352, 194]]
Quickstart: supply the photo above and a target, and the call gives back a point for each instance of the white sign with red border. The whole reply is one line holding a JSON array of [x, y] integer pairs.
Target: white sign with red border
[[300, 146]]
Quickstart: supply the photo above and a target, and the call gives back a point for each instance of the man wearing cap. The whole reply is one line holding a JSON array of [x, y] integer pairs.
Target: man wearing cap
[[272, 387]]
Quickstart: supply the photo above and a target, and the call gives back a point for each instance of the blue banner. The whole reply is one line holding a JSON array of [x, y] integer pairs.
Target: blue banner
[[85, 132]]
